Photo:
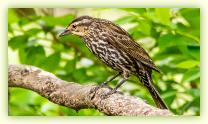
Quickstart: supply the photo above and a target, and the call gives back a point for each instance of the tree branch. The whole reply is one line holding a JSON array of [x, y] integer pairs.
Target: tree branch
[[76, 96]]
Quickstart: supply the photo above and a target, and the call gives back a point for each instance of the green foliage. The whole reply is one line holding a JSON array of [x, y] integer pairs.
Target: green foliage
[[171, 37]]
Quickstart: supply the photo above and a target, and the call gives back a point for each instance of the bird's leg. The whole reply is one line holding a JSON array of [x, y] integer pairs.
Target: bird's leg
[[109, 80], [115, 89], [105, 83], [125, 76]]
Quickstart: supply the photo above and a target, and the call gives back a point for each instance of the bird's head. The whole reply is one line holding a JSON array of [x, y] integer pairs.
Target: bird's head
[[78, 26]]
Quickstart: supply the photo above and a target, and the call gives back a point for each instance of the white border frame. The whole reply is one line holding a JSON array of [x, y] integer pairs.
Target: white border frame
[[4, 5]]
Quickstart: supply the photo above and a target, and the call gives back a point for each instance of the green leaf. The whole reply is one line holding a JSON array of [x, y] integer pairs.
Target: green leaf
[[18, 42], [194, 92], [135, 10], [192, 15], [21, 101], [87, 112], [23, 95], [194, 51], [80, 75], [22, 55], [142, 29], [169, 97], [68, 111], [125, 19], [72, 39], [70, 66], [50, 109], [191, 75], [54, 21], [169, 40], [189, 35], [58, 47], [33, 31], [145, 27], [136, 33], [194, 103], [51, 63], [28, 19], [12, 16], [164, 15], [188, 64], [98, 77], [34, 55]]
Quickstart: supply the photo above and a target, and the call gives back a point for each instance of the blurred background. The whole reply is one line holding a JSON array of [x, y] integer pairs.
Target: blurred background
[[170, 35]]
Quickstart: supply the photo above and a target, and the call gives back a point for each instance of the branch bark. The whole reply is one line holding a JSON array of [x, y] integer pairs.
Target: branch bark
[[76, 96]]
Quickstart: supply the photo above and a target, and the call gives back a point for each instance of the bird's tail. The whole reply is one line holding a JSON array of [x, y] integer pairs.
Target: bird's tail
[[148, 83]]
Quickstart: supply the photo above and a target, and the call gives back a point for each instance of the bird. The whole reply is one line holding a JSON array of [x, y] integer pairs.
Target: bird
[[115, 47]]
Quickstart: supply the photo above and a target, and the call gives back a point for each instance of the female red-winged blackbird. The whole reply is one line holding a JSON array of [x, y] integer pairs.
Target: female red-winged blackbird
[[116, 48]]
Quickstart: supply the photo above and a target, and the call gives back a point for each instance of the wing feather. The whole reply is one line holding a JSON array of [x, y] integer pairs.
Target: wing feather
[[125, 42]]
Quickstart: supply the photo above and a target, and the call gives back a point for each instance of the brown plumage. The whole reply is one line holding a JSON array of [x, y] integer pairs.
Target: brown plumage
[[116, 48]]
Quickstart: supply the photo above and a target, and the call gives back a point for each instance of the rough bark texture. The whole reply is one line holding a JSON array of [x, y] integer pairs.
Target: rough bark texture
[[78, 96]]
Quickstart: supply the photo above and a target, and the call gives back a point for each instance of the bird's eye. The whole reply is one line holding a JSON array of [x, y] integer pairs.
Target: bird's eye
[[73, 26]]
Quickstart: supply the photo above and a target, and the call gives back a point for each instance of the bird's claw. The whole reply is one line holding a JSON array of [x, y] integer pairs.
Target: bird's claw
[[106, 95], [94, 90]]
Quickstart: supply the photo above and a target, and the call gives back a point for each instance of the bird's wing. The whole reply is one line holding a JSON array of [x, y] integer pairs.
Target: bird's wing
[[125, 42]]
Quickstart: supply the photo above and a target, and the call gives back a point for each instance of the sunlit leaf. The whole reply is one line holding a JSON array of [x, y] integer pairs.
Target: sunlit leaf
[[188, 64], [18, 42], [125, 19], [12, 16], [135, 10], [191, 74], [164, 15], [145, 27], [85, 112], [33, 31]]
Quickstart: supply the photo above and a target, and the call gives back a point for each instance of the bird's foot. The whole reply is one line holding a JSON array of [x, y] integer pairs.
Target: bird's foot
[[95, 89], [106, 95]]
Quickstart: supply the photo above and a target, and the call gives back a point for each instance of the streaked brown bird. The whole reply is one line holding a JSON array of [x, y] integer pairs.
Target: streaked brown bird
[[116, 48]]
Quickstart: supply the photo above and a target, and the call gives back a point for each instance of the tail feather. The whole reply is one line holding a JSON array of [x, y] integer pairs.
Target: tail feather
[[148, 83], [156, 97]]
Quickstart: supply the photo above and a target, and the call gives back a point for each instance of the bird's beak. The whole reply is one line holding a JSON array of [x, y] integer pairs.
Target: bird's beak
[[65, 32]]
